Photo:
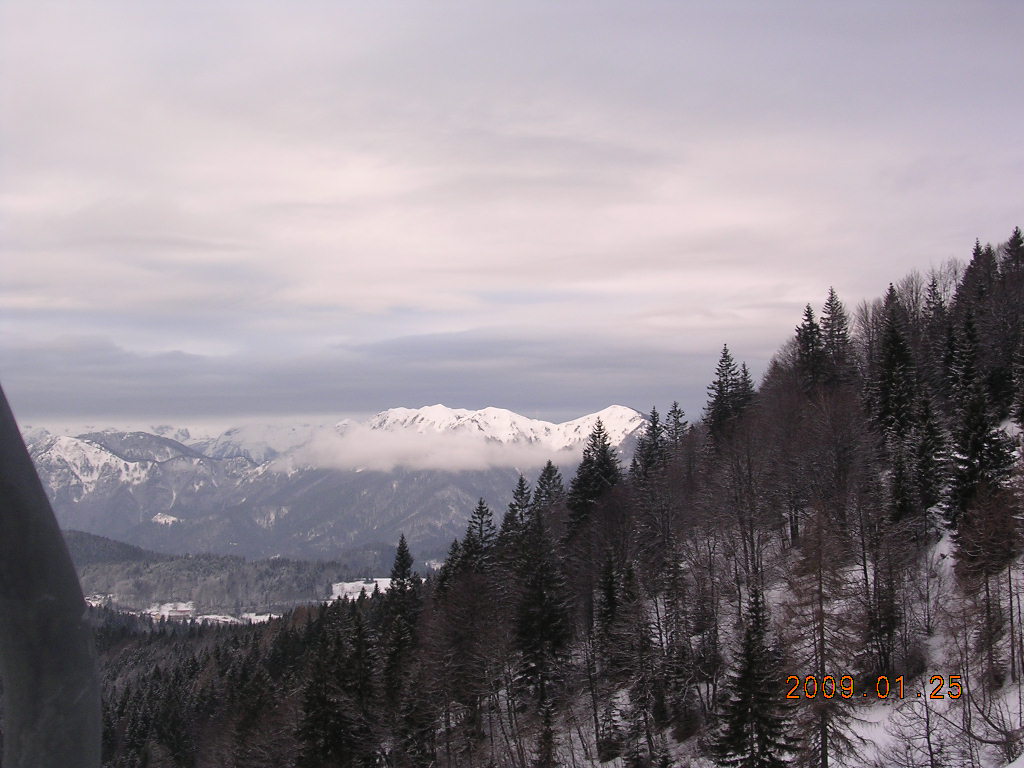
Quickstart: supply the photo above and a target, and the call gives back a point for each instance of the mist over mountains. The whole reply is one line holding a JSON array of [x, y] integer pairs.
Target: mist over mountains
[[309, 491]]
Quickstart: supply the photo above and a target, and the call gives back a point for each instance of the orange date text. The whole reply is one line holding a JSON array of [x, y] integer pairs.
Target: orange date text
[[882, 687]]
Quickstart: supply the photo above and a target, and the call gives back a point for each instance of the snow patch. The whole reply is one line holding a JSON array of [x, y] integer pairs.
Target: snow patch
[[162, 518], [351, 589]]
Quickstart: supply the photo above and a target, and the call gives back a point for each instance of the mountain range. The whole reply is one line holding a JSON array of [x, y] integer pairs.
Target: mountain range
[[308, 491]]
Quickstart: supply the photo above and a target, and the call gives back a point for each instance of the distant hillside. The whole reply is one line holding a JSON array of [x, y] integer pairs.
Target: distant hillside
[[88, 549], [309, 492], [136, 578]]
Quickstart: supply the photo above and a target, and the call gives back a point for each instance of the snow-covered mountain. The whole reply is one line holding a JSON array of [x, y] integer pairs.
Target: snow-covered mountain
[[503, 426], [308, 490], [257, 442]]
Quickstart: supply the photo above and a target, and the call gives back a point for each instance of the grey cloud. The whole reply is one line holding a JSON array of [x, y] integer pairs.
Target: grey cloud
[[538, 206], [82, 378]]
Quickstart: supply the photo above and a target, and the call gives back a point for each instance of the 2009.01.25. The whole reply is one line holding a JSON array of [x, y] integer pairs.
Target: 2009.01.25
[[810, 687]]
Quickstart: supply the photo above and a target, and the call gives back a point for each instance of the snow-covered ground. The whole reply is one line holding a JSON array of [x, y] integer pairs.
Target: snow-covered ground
[[351, 589]]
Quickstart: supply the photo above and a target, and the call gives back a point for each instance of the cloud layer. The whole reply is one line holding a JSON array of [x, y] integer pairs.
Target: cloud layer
[[256, 208], [362, 448]]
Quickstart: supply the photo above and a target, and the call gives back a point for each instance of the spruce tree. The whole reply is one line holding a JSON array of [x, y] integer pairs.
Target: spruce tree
[[402, 580], [651, 452], [896, 390], [449, 568], [982, 452], [597, 473], [481, 536], [936, 329], [549, 491], [1017, 408], [675, 428], [744, 392], [837, 348], [930, 457], [515, 517], [398, 630], [721, 407], [755, 723], [543, 625], [1013, 254], [810, 350]]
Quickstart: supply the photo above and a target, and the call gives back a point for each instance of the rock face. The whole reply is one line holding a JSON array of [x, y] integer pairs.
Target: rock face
[[308, 491]]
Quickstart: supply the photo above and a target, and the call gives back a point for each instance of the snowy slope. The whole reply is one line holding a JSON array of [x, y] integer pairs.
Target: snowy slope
[[79, 465], [308, 490], [258, 442], [504, 426]]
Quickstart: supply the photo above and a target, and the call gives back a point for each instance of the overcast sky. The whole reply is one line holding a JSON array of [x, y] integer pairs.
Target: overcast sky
[[256, 210]]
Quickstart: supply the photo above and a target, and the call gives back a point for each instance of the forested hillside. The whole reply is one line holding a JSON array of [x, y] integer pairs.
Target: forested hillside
[[134, 579], [852, 522]]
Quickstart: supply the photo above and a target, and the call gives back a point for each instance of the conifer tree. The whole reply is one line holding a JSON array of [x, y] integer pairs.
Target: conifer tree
[[930, 460], [837, 348], [1017, 408], [896, 389], [481, 536], [755, 723], [549, 491], [722, 406], [651, 452], [810, 350], [744, 392], [675, 428], [402, 579], [449, 568], [936, 330], [982, 452], [598, 471], [402, 607], [1013, 253], [543, 626], [513, 523]]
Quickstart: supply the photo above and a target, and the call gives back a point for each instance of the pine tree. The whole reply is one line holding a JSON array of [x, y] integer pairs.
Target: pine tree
[[1017, 409], [543, 626], [449, 568], [402, 608], [930, 457], [549, 491], [744, 392], [896, 390], [513, 523], [597, 473], [481, 536], [721, 407], [936, 329], [837, 349], [982, 452], [402, 579], [651, 453], [810, 350], [1013, 253], [675, 428], [755, 723]]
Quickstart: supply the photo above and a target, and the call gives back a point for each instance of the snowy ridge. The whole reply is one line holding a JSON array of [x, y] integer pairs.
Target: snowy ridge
[[257, 442], [81, 464], [504, 426], [126, 455], [262, 490]]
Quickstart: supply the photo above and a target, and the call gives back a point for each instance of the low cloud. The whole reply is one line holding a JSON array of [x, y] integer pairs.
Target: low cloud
[[361, 448]]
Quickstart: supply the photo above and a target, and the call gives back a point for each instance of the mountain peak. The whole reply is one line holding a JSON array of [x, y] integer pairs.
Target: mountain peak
[[505, 426]]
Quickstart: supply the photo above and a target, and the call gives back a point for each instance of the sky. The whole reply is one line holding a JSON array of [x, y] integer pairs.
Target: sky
[[243, 211]]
